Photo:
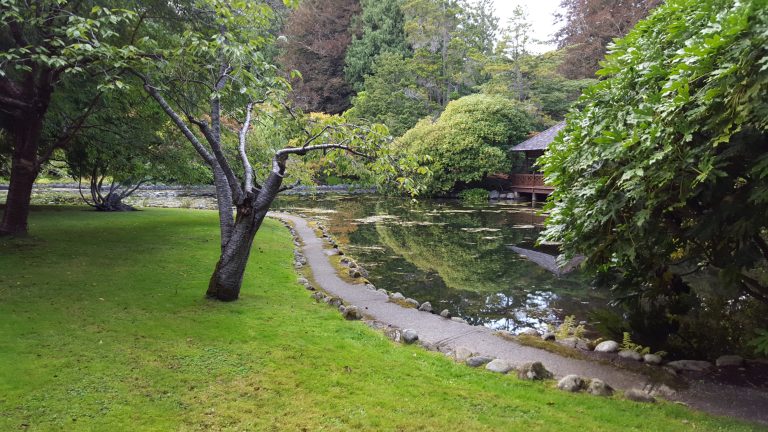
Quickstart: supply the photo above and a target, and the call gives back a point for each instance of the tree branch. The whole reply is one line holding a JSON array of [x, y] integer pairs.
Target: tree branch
[[248, 182], [301, 151]]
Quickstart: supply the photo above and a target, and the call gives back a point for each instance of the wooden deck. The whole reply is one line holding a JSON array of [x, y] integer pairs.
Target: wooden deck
[[522, 183]]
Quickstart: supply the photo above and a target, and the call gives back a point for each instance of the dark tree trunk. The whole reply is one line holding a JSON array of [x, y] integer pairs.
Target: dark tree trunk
[[227, 277], [24, 171]]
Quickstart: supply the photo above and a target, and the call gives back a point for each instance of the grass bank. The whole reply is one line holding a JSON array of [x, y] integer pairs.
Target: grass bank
[[103, 326]]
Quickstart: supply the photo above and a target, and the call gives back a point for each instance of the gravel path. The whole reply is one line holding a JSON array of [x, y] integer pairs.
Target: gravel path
[[740, 402]]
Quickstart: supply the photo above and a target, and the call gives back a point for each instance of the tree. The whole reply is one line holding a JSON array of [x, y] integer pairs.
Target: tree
[[661, 179], [590, 25], [381, 30], [470, 140], [392, 96], [129, 143], [318, 36], [42, 45], [214, 80]]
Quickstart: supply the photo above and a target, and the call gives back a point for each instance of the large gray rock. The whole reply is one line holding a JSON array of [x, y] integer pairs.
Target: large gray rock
[[638, 395], [397, 296], [499, 365], [630, 355], [459, 320], [608, 346], [410, 336], [318, 296], [426, 307], [462, 353], [302, 281], [571, 383], [334, 301], [574, 342], [652, 359], [690, 365], [494, 195], [355, 273], [533, 371], [478, 361], [412, 302], [352, 313], [445, 313], [598, 387], [729, 361]]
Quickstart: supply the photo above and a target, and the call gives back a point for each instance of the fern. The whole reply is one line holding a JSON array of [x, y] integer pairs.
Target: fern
[[566, 328]]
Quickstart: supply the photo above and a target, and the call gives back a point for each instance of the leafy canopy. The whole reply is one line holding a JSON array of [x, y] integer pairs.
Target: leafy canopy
[[664, 171]]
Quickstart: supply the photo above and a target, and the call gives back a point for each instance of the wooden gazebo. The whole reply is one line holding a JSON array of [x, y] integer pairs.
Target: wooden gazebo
[[525, 177]]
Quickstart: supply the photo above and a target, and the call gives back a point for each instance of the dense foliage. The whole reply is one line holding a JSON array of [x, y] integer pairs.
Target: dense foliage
[[662, 178], [467, 142]]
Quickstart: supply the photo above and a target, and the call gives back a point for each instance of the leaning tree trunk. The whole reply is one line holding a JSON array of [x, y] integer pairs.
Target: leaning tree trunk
[[24, 171], [227, 277]]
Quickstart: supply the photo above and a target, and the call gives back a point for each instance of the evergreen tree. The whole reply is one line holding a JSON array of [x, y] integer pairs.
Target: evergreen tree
[[381, 29]]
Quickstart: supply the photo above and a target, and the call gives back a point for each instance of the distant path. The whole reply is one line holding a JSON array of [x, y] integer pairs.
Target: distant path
[[740, 402]]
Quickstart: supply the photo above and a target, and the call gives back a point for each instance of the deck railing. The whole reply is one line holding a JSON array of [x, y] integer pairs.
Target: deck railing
[[527, 180]]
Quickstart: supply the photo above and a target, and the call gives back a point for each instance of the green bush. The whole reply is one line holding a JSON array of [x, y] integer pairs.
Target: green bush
[[475, 196], [469, 141]]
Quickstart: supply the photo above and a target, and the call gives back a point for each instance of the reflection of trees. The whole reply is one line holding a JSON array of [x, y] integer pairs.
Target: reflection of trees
[[429, 257]]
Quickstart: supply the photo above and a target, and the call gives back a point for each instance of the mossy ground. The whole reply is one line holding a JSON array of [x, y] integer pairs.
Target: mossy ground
[[104, 327]]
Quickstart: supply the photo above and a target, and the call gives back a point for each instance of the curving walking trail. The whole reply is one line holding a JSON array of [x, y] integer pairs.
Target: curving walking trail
[[739, 402]]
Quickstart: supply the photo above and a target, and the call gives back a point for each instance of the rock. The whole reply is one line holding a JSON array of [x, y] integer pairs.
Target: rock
[[410, 336], [334, 301], [533, 371], [345, 261], [638, 395], [494, 195], [598, 387], [630, 355], [397, 296], [317, 295], [309, 287], [383, 291], [499, 365], [690, 365], [411, 302], [574, 342], [459, 320], [332, 252], [652, 359], [548, 336], [571, 383], [363, 272], [445, 313], [428, 346], [426, 307], [729, 361], [478, 361], [660, 390], [352, 313], [302, 281], [355, 273], [370, 287], [342, 308], [530, 332], [608, 346], [393, 333], [461, 354]]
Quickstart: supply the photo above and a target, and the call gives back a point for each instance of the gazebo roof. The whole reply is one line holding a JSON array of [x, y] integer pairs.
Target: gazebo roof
[[541, 140]]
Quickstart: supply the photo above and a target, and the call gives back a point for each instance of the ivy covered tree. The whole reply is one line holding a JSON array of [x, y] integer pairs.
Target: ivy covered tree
[[662, 177]]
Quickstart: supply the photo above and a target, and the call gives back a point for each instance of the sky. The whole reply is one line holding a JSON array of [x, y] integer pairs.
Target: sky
[[540, 15]]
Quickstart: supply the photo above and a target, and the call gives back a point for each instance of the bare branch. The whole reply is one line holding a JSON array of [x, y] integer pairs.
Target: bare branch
[[301, 151], [248, 182]]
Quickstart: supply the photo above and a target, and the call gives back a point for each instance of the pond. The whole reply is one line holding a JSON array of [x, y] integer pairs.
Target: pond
[[456, 257]]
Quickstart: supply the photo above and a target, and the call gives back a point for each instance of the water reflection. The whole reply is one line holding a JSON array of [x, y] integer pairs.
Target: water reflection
[[455, 257]]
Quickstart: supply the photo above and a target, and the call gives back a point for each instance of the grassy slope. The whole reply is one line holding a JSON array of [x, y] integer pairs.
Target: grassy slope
[[103, 327]]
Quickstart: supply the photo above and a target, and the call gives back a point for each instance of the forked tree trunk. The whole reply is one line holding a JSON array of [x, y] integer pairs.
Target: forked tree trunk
[[24, 171], [227, 278]]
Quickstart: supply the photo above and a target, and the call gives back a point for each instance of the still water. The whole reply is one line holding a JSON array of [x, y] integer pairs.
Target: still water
[[456, 257]]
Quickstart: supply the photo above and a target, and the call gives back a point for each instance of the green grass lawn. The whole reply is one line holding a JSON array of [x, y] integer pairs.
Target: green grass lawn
[[103, 326]]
